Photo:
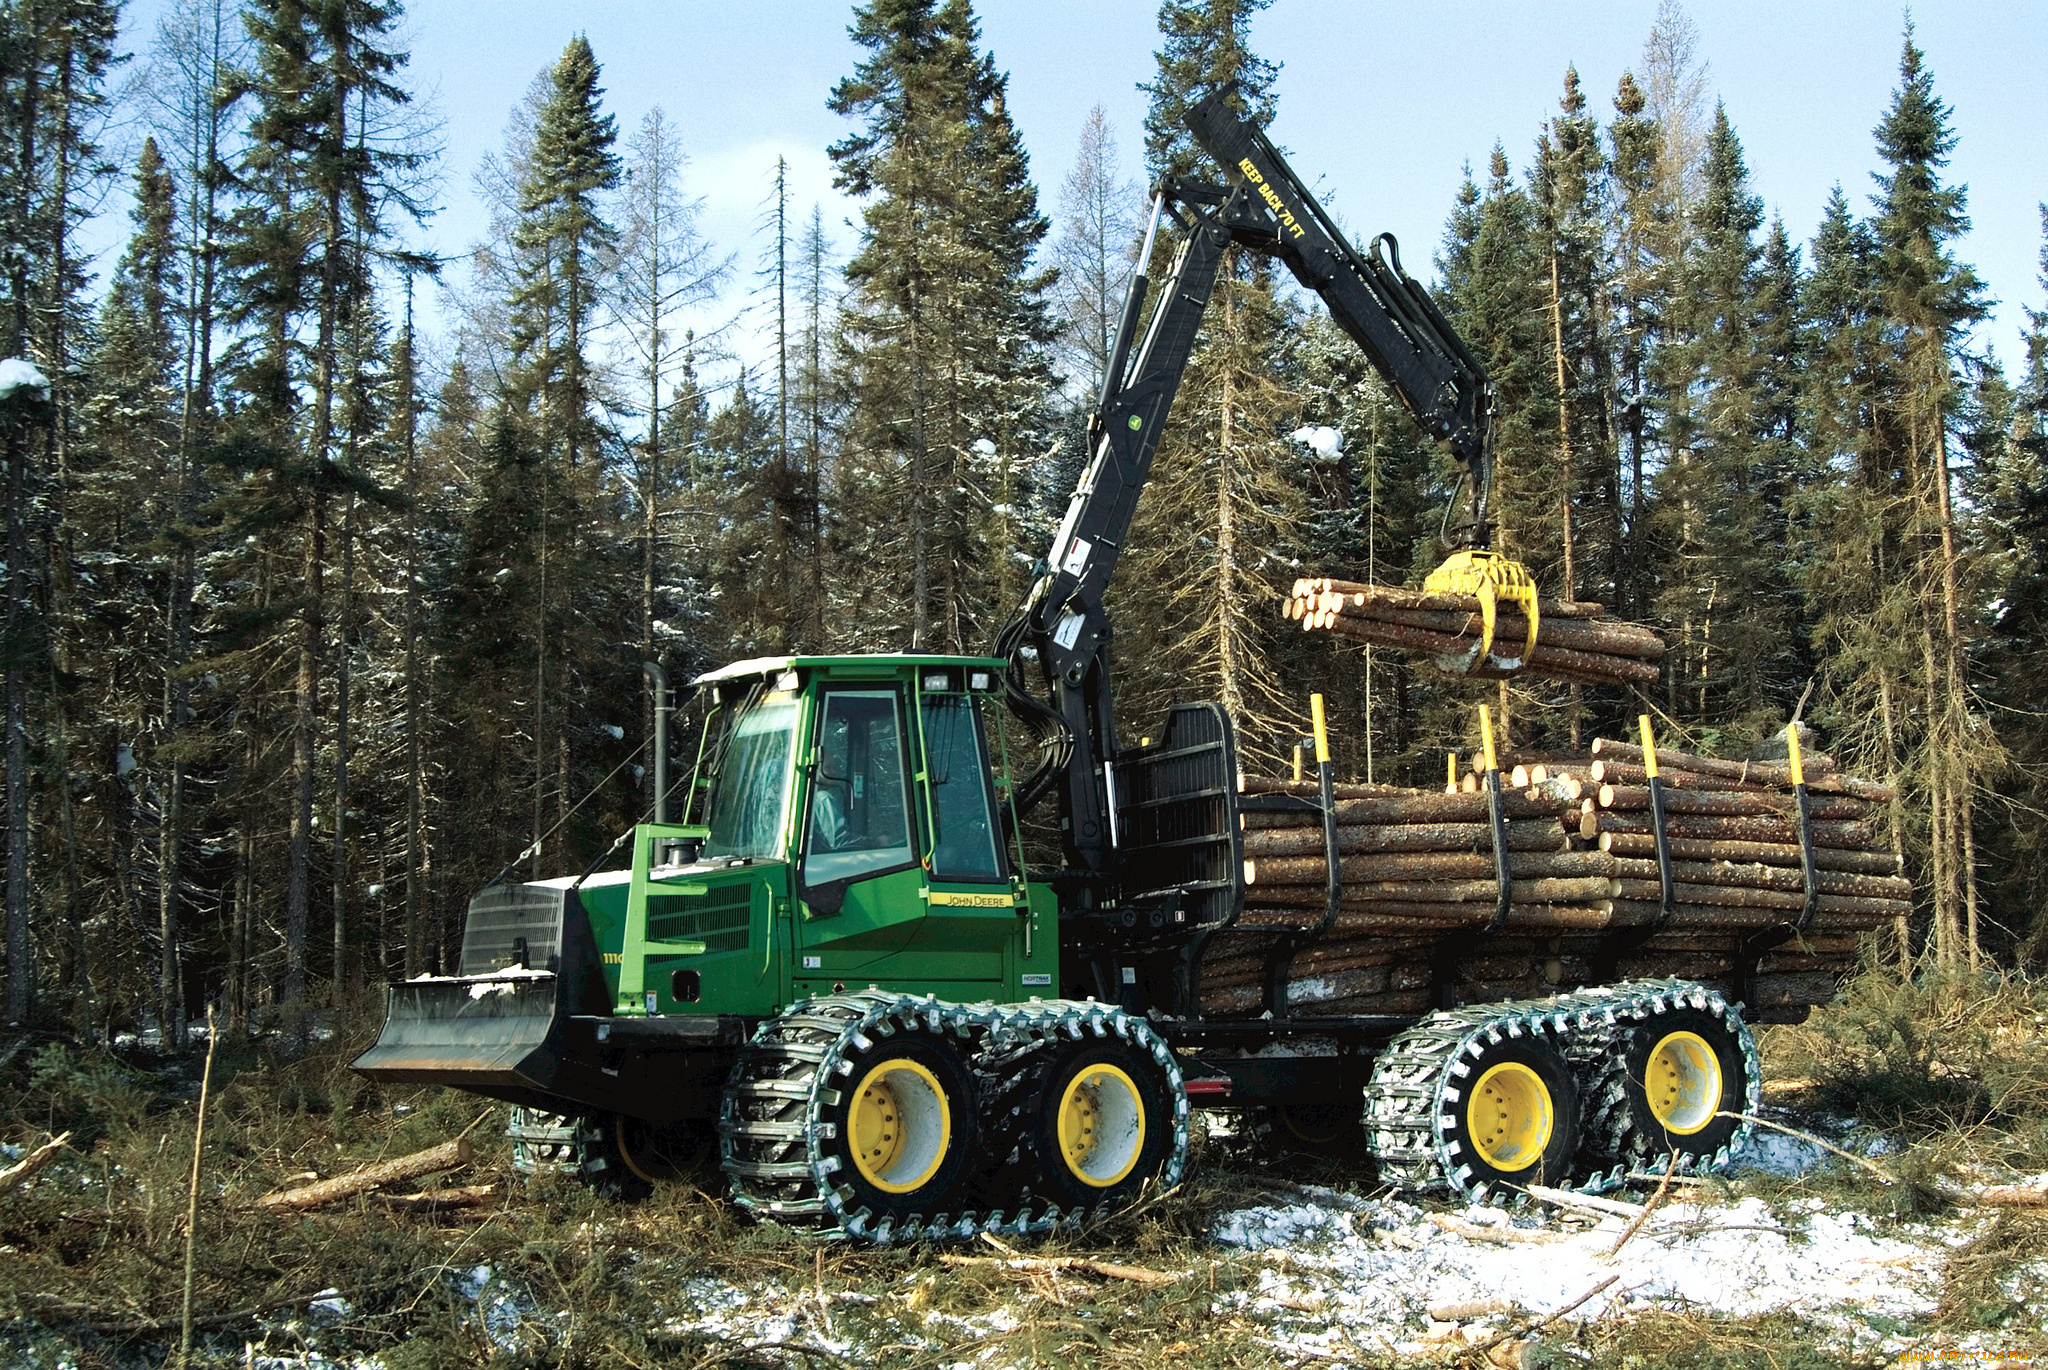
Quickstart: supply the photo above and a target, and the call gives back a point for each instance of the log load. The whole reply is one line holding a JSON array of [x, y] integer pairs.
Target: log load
[[1575, 642], [1417, 867]]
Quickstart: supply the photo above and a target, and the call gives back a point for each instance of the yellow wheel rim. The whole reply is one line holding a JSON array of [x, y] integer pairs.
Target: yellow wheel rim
[[1683, 1082], [900, 1126], [1101, 1126], [1508, 1117]]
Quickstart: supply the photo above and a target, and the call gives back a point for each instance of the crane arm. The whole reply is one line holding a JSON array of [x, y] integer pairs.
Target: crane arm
[[1062, 627]]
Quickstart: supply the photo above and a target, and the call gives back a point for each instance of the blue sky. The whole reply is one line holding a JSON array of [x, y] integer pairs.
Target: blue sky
[[1379, 104]]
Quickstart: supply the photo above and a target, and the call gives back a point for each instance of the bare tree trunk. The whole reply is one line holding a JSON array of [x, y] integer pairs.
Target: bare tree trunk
[[20, 951], [305, 713], [414, 779], [341, 748], [1229, 669], [194, 408]]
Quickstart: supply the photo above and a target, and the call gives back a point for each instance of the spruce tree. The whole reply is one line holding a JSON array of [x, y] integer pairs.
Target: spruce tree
[[1639, 273], [1718, 599], [550, 435], [943, 360], [1216, 534], [120, 508], [1928, 301]]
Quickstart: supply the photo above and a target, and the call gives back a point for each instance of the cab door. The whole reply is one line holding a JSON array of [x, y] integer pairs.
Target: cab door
[[977, 907], [861, 881]]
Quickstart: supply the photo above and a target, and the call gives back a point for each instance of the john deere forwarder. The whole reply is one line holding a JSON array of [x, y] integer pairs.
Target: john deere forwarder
[[840, 961]]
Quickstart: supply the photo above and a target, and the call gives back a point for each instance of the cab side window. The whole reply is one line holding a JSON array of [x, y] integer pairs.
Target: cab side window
[[860, 812], [963, 828]]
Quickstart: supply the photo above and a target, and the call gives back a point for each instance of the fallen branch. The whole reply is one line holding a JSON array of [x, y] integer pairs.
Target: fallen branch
[[1826, 1146], [2012, 1195], [1589, 1203], [446, 1156], [1992, 1196], [428, 1200], [1663, 1187], [1458, 1227], [1045, 1265], [24, 1169], [1515, 1333]]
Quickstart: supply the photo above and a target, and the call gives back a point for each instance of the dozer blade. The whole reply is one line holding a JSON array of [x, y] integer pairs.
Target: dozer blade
[[1492, 578], [486, 1034]]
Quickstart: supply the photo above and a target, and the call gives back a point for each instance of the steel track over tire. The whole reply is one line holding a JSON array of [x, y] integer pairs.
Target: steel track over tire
[[859, 1113], [542, 1143], [1053, 1071], [1658, 1083], [601, 1165], [1412, 1104]]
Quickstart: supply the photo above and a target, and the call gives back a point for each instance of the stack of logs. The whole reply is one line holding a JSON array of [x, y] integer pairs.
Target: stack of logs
[[1575, 642], [1418, 877]]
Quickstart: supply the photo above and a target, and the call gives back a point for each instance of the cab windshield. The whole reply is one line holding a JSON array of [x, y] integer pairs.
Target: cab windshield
[[750, 773]]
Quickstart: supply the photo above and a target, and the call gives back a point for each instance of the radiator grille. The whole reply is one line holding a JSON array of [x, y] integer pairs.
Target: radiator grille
[[717, 918]]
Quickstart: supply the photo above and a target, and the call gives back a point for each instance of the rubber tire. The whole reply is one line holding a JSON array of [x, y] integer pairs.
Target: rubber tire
[[1048, 1178], [665, 1153], [1554, 1166], [941, 1193], [1619, 1125]]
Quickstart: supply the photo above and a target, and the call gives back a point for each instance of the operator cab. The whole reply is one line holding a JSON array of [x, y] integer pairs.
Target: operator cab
[[879, 786]]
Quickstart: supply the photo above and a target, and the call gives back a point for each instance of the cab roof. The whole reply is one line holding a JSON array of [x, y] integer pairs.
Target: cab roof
[[876, 661]]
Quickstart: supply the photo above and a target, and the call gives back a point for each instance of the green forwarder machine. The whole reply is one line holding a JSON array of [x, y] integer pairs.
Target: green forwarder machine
[[845, 971]]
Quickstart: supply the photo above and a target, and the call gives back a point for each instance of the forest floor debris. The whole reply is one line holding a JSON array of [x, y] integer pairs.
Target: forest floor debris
[[1798, 1259]]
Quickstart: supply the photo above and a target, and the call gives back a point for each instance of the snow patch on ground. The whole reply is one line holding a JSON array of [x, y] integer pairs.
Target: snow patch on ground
[[1386, 1269]]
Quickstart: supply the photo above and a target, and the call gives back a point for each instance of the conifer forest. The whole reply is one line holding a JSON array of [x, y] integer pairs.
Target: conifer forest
[[316, 623]]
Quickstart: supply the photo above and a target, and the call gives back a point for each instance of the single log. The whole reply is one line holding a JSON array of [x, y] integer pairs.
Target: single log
[[1768, 878], [1302, 839], [1392, 916], [24, 1170], [1691, 917], [1767, 853], [1307, 871], [1310, 789], [1815, 764], [1419, 806], [446, 1156], [1310, 870], [1608, 772], [1636, 799], [432, 1200], [1738, 896], [1854, 836]]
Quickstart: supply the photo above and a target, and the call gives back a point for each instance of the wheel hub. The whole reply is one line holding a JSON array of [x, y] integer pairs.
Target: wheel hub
[[1101, 1124], [1682, 1081], [899, 1126], [1509, 1117]]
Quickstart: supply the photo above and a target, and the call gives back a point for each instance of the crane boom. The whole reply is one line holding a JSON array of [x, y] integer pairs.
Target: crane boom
[[1062, 626]]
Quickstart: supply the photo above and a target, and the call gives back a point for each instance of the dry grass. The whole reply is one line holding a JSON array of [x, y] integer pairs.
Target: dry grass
[[90, 1276]]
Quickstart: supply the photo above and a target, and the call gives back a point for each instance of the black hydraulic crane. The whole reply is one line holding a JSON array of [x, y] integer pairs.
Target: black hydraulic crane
[[1264, 208]]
